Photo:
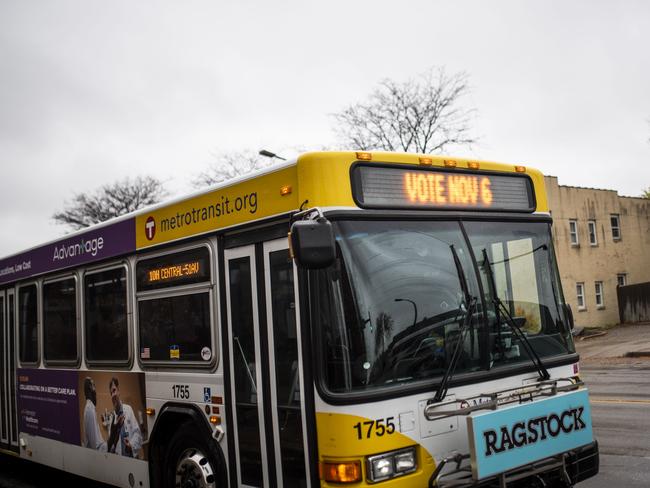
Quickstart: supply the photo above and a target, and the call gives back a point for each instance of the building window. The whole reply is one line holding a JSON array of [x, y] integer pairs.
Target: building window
[[599, 294], [616, 226], [593, 239], [621, 279], [580, 294], [573, 232]]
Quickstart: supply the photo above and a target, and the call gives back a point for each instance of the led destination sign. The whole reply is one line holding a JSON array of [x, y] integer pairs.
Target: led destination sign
[[434, 188], [183, 268], [167, 273]]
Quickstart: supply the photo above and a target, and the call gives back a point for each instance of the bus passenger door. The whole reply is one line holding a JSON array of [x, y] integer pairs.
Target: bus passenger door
[[265, 373], [4, 425], [8, 419], [287, 412], [247, 399]]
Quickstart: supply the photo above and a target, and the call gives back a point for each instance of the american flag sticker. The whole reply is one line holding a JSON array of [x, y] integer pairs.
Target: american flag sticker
[[145, 353]]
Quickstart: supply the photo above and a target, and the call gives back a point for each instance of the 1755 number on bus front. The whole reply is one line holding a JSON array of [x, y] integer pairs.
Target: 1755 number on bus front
[[379, 428]]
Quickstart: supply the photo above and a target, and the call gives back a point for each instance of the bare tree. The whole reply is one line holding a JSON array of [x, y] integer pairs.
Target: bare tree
[[110, 201], [231, 165], [420, 115]]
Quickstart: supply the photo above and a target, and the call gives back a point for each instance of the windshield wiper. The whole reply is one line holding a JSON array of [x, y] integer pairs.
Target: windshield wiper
[[499, 306], [470, 303], [444, 383]]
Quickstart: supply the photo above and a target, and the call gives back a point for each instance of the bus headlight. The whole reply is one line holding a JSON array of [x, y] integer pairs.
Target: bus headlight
[[382, 468], [405, 462], [391, 464]]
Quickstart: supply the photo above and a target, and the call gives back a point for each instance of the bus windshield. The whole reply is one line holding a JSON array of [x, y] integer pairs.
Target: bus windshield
[[390, 310]]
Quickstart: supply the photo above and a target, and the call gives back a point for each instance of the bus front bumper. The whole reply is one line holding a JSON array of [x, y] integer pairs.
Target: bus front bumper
[[565, 469]]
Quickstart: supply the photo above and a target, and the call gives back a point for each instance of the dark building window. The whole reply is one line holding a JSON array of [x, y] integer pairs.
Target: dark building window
[[593, 238], [616, 226], [573, 232]]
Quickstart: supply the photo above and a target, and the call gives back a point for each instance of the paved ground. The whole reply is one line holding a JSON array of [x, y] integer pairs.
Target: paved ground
[[620, 401], [620, 398], [612, 345]]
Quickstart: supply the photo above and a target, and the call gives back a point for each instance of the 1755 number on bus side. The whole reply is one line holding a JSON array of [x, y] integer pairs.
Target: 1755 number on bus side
[[181, 391]]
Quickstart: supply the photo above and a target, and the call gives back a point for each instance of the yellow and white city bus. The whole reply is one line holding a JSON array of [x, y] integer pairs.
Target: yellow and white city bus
[[343, 319]]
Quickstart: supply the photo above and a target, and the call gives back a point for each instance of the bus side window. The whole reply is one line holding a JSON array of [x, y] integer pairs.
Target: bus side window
[[60, 320], [105, 316], [173, 306], [27, 324]]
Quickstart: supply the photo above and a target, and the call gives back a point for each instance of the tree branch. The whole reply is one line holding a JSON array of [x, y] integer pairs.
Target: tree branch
[[423, 115]]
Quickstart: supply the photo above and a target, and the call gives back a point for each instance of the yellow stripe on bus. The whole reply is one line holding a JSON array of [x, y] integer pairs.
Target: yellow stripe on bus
[[247, 201]]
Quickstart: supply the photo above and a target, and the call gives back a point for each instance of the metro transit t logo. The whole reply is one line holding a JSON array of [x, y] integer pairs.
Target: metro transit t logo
[[150, 228]]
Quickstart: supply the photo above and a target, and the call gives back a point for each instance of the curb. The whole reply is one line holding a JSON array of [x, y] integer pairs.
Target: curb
[[591, 336], [637, 354]]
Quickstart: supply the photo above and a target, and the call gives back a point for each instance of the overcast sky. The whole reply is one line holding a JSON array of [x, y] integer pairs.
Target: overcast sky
[[94, 91]]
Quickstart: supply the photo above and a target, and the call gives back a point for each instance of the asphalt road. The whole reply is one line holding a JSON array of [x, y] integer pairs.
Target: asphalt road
[[16, 473], [620, 400], [620, 406]]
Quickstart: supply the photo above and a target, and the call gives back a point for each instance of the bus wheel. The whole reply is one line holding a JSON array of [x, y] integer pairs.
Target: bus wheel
[[190, 461]]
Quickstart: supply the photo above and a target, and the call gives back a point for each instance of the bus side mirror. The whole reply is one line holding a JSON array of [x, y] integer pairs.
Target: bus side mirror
[[312, 243]]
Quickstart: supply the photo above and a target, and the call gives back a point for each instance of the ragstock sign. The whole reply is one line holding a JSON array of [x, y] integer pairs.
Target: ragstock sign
[[86, 247], [520, 435]]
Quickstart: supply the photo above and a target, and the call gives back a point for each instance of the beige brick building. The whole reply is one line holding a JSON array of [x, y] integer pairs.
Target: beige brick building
[[601, 240]]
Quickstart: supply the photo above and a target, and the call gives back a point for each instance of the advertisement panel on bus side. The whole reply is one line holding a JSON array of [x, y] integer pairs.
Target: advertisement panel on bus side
[[100, 410]]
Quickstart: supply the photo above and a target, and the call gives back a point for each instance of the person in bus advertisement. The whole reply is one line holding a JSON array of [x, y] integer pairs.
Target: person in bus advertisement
[[112, 417], [91, 433], [125, 437]]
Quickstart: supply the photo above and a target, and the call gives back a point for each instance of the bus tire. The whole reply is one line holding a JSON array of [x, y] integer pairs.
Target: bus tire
[[191, 460]]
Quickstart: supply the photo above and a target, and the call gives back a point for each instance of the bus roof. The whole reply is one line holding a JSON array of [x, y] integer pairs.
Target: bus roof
[[314, 179]]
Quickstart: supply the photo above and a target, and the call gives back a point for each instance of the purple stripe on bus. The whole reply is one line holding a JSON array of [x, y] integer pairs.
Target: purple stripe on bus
[[95, 245]]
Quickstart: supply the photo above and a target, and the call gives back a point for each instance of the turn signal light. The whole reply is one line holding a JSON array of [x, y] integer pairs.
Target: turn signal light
[[520, 169], [150, 411], [364, 156], [215, 419], [345, 472], [285, 190]]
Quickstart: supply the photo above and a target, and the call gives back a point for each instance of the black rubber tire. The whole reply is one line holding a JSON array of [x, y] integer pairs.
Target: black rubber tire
[[187, 438]]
